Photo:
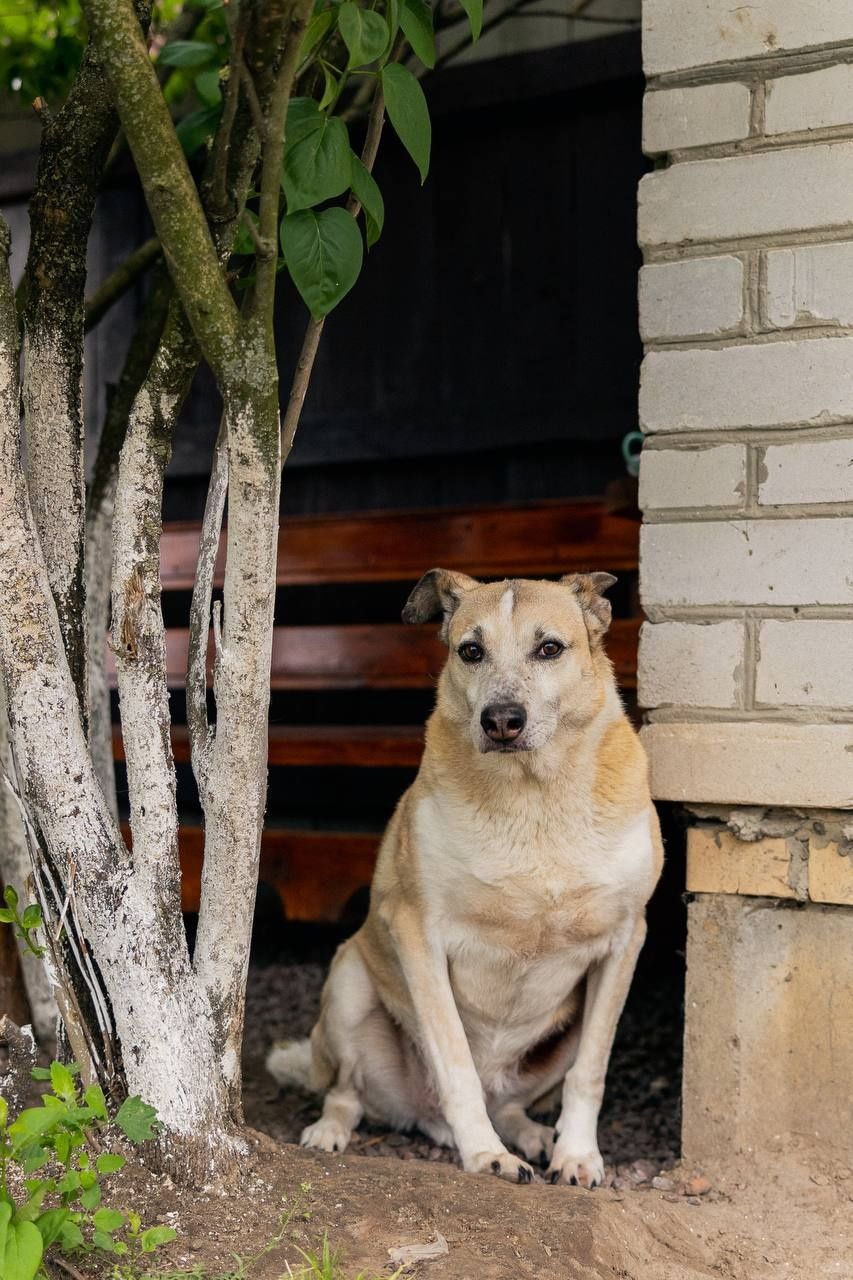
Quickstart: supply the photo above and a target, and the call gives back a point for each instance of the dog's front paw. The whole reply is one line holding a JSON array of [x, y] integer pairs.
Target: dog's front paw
[[585, 1170], [501, 1164], [326, 1134]]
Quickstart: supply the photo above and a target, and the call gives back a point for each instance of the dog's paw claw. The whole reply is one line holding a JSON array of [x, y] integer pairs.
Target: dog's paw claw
[[586, 1170], [325, 1135], [503, 1165]]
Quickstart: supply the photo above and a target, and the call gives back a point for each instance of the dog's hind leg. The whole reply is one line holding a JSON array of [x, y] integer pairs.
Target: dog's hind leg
[[535, 1141], [342, 1110]]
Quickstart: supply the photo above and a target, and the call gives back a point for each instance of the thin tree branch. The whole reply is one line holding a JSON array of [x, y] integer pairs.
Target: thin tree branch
[[74, 150], [314, 329], [254, 102], [172, 195], [222, 143], [119, 281], [99, 523], [200, 733], [273, 142]]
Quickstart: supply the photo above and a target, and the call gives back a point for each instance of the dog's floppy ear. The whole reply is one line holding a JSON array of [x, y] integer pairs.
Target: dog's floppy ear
[[589, 588], [437, 595]]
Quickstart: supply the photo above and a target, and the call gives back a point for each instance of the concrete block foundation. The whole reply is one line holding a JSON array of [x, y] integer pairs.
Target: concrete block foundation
[[768, 1047]]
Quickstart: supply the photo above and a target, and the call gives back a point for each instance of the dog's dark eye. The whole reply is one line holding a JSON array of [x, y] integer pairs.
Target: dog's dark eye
[[550, 649], [471, 652]]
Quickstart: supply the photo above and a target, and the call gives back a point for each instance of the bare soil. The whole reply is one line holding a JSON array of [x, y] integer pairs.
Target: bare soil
[[789, 1215]]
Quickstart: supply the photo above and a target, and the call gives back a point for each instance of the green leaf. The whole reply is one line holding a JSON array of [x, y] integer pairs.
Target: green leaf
[[369, 196], [34, 1123], [155, 1236], [6, 916], [35, 1158], [32, 917], [323, 253], [95, 1100], [408, 113], [364, 33], [187, 53], [197, 127], [4, 1112], [70, 1237], [40, 1073], [108, 1163], [137, 1120], [317, 166], [22, 1254], [51, 1224], [316, 31], [303, 117], [416, 21], [101, 1240], [10, 896], [330, 92], [91, 1197], [208, 87], [108, 1220], [474, 10], [392, 17], [62, 1082]]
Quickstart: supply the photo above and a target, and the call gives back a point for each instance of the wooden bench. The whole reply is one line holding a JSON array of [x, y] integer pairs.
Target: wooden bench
[[317, 873]]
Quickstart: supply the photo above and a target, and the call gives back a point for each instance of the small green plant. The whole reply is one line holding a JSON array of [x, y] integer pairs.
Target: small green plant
[[24, 923], [62, 1141]]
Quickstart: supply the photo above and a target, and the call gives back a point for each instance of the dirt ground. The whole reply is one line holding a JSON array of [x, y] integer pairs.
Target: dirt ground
[[789, 1215]]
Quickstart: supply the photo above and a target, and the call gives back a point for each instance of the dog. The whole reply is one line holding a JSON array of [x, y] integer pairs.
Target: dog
[[507, 907]]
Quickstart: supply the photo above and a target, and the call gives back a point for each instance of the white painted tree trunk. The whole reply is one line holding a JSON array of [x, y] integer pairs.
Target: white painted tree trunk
[[16, 869]]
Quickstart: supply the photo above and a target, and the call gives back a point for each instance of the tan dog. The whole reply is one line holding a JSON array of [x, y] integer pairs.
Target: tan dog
[[508, 903]]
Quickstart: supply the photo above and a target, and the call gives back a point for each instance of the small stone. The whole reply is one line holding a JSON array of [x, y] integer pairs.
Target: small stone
[[697, 1185], [663, 1184]]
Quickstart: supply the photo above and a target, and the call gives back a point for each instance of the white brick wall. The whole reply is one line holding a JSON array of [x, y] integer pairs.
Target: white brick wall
[[766, 192], [757, 385], [748, 562], [805, 663], [695, 665], [699, 477], [809, 471], [809, 284], [679, 34], [691, 298], [746, 303], [817, 100], [676, 118], [737, 762]]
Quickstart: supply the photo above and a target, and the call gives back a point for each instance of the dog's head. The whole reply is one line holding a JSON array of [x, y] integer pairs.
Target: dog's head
[[525, 657]]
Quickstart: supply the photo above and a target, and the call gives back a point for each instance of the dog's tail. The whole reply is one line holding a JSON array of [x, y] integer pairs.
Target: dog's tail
[[291, 1062]]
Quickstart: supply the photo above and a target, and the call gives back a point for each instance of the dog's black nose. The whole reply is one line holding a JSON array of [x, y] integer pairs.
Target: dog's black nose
[[503, 721]]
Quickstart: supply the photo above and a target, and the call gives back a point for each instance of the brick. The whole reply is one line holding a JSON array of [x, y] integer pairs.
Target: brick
[[817, 100], [768, 1041], [761, 193], [805, 663], [691, 298], [676, 118], [809, 284], [717, 862], [691, 664], [809, 380], [830, 874], [811, 471], [710, 477], [747, 562], [692, 33], [752, 762]]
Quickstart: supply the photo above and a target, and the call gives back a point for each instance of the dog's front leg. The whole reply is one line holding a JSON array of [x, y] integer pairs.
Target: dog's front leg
[[576, 1156], [448, 1054]]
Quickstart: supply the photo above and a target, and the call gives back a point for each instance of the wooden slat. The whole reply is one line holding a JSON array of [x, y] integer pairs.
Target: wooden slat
[[359, 746], [388, 656], [401, 545], [315, 873]]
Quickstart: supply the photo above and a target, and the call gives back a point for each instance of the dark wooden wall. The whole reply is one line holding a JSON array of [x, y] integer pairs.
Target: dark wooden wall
[[489, 351]]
